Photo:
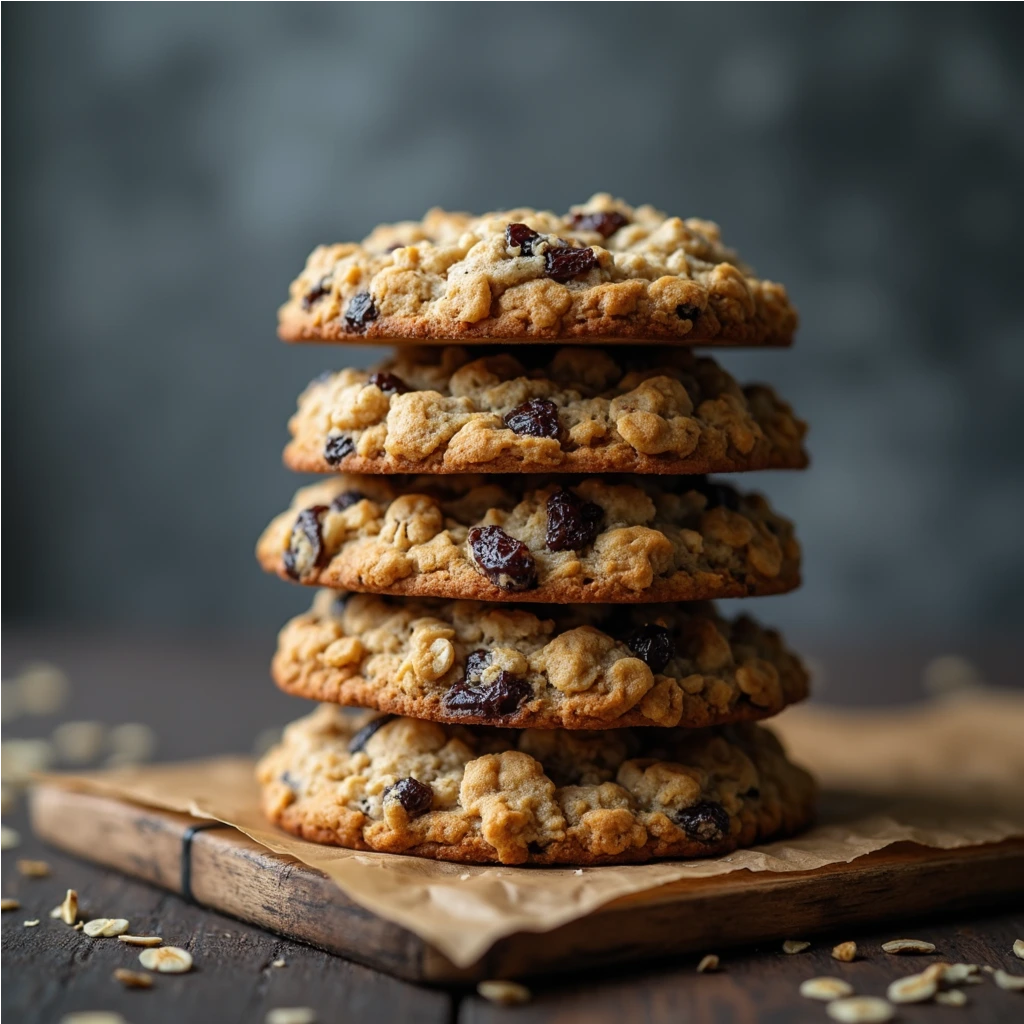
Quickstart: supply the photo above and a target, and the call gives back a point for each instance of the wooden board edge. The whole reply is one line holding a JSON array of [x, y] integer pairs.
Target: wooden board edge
[[287, 897]]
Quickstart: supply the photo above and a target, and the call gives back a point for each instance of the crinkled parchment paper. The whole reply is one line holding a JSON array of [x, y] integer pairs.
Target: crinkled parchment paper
[[946, 774]]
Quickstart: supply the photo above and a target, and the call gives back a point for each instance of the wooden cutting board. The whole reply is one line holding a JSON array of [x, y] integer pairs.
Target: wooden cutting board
[[228, 872]]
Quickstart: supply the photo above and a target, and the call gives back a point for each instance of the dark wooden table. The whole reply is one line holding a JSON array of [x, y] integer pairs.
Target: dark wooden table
[[208, 695]]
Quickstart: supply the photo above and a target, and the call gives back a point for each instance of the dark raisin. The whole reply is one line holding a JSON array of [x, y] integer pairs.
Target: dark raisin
[[567, 262], [536, 417], [522, 236], [687, 312], [717, 494], [337, 447], [502, 697], [652, 644], [415, 796], [604, 224], [476, 663], [389, 383], [753, 793], [361, 311], [506, 562], [305, 543], [359, 739], [573, 522], [346, 499], [707, 822], [317, 292]]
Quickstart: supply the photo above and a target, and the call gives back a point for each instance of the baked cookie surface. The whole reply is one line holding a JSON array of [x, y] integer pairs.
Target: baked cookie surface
[[605, 271], [540, 667], [579, 410], [461, 793], [524, 538]]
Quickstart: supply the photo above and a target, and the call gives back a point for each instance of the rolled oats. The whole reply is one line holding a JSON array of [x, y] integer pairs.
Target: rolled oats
[[954, 997], [9, 838], [105, 927], [8, 903], [1007, 981], [141, 940], [30, 924], [915, 988], [79, 743], [93, 1017], [826, 989], [68, 910], [166, 959], [860, 1010], [708, 963], [899, 946], [133, 979], [795, 946], [34, 868], [845, 951], [505, 993], [1018, 948], [291, 1015]]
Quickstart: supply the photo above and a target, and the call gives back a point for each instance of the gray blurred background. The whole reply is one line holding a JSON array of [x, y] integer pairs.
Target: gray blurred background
[[169, 167]]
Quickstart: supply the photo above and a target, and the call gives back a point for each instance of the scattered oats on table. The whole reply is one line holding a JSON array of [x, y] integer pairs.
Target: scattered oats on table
[[845, 951], [278, 963], [861, 1010], [166, 959], [30, 924], [291, 1015], [914, 988], [899, 946], [506, 993], [795, 946], [141, 940], [133, 979], [68, 910], [954, 997], [708, 963], [7, 903], [106, 927], [1007, 981], [93, 1017], [34, 868], [826, 989], [9, 838], [1018, 948]]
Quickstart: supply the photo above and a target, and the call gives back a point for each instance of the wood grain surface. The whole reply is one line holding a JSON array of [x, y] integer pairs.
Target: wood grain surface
[[207, 695]]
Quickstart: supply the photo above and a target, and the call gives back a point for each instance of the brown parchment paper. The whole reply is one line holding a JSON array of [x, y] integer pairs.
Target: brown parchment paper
[[946, 774]]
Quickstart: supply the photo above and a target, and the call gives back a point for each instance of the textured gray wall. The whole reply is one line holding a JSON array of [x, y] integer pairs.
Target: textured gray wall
[[169, 167]]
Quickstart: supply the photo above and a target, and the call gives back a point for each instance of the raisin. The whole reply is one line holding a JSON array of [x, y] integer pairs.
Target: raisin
[[415, 796], [389, 383], [506, 562], [346, 499], [565, 263], [359, 739], [604, 224], [652, 644], [361, 311], [753, 793], [502, 697], [717, 494], [536, 417], [305, 543], [573, 523], [317, 292], [707, 822], [522, 236], [687, 312], [337, 447]]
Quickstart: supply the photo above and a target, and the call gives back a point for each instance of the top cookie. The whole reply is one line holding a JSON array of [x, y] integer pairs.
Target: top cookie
[[606, 271]]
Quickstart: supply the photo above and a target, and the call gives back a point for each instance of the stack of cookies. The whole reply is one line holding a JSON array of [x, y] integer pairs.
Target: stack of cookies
[[519, 545]]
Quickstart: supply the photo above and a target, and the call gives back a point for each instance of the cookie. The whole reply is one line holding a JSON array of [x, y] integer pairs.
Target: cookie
[[559, 666], [530, 539], [456, 410], [603, 272], [466, 793]]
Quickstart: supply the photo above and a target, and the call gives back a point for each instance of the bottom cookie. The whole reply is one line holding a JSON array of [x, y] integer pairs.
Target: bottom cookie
[[478, 794]]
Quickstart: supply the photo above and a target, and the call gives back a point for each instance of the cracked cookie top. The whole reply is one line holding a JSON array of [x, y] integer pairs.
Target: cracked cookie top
[[604, 271], [462, 793], [524, 538], [541, 667], [458, 410]]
